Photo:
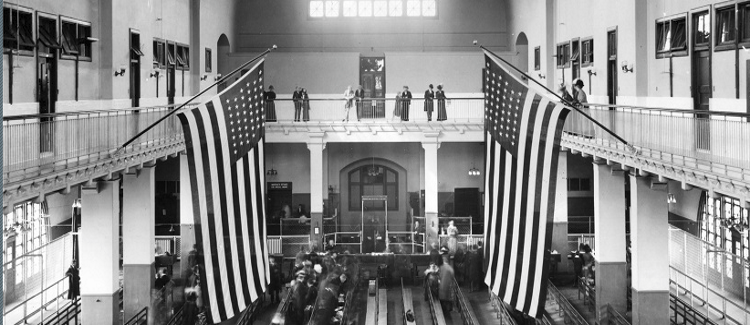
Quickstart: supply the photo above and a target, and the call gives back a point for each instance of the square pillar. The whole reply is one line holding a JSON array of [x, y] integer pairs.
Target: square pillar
[[649, 236], [431, 192], [560, 218], [138, 218], [317, 189], [99, 248], [610, 241], [187, 220]]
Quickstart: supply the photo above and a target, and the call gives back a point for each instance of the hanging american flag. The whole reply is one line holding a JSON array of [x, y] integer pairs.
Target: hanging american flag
[[522, 136], [224, 139]]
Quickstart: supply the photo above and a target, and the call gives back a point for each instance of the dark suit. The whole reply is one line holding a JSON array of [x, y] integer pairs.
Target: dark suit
[[359, 94], [405, 104], [297, 97], [429, 105], [269, 98]]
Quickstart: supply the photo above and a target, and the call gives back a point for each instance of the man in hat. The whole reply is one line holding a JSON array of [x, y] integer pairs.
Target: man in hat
[[446, 282], [295, 314], [579, 95]]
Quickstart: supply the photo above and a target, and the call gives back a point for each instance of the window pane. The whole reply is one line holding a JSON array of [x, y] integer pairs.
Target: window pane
[[745, 22], [380, 8], [390, 177], [679, 35], [316, 9], [536, 58], [429, 8], [725, 25], [413, 8], [365, 8], [662, 33], [395, 8], [350, 8], [702, 28], [332, 8], [354, 196]]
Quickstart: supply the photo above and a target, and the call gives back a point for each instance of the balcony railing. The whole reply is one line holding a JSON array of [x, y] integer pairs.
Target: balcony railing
[[36, 144], [39, 144]]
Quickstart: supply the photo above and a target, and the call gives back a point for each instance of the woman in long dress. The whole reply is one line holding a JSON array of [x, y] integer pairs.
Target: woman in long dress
[[397, 108], [305, 105], [440, 96], [349, 101], [269, 98], [452, 238]]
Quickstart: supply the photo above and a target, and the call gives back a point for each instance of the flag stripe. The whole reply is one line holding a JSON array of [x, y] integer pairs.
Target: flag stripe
[[195, 123], [489, 144], [259, 156], [250, 181], [238, 189], [507, 222], [490, 234], [261, 147], [243, 195], [219, 193], [530, 250], [257, 187]]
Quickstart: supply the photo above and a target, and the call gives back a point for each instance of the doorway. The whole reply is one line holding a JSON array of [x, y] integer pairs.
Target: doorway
[[171, 76], [135, 68], [612, 66], [701, 77], [279, 197], [372, 79], [522, 52], [222, 51]]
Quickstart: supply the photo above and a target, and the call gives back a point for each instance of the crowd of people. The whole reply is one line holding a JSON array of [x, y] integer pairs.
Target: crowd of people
[[319, 279], [448, 269], [356, 99]]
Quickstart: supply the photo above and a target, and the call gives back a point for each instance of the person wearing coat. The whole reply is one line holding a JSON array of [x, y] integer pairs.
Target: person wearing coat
[[305, 105], [429, 105], [405, 103], [446, 283], [359, 95], [269, 97], [442, 114], [295, 313], [74, 281], [297, 98], [397, 107]]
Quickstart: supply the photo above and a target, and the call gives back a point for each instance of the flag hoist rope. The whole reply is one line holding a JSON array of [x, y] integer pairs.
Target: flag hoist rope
[[121, 148], [567, 103]]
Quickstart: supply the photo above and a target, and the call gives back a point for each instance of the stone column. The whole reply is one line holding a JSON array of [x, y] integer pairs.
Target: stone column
[[431, 191], [317, 190], [99, 249], [610, 241], [560, 221], [187, 220], [649, 236], [138, 219]]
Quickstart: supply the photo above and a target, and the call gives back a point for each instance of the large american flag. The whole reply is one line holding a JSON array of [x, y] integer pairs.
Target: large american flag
[[224, 138], [522, 136]]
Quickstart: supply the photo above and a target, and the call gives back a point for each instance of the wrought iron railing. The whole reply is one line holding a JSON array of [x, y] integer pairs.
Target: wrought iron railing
[[500, 309], [139, 318], [612, 317], [464, 307], [66, 315], [684, 314], [564, 308]]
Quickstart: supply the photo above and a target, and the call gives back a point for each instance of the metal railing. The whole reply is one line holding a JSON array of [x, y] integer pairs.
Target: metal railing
[[714, 137], [67, 314], [564, 308], [139, 318], [464, 307], [612, 317], [575, 241], [41, 143], [712, 277], [684, 314], [500, 309], [436, 310], [169, 244]]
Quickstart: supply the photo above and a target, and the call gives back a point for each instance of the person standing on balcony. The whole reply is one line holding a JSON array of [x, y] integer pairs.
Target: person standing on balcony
[[405, 103], [579, 98], [349, 98], [297, 98], [397, 107], [442, 114], [269, 97], [360, 95], [74, 281], [429, 105], [305, 105]]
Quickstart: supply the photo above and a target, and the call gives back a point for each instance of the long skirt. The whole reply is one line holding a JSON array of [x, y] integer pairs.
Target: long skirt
[[442, 114], [270, 112], [306, 111], [397, 109], [405, 111]]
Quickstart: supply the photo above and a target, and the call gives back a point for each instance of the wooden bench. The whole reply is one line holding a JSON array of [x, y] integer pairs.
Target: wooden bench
[[408, 304], [383, 307], [373, 301], [436, 310]]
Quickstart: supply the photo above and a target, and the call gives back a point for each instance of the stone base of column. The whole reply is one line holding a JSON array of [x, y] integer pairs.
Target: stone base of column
[[316, 221], [650, 307], [100, 309], [560, 244], [138, 279], [613, 291]]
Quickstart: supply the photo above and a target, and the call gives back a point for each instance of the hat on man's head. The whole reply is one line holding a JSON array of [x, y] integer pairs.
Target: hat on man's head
[[444, 250], [578, 82]]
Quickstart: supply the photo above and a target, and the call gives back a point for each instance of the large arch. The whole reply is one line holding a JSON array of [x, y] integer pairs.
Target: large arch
[[522, 52]]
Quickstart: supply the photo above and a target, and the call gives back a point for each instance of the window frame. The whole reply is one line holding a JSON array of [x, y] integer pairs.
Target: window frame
[[159, 62], [50, 42], [726, 45], [564, 60], [78, 39], [587, 57], [20, 49], [743, 12], [208, 60], [171, 49], [370, 14], [694, 32], [669, 23], [360, 184], [182, 62], [537, 58]]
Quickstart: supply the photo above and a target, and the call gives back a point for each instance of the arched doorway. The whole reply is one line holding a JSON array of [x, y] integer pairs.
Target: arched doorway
[[522, 52], [222, 56]]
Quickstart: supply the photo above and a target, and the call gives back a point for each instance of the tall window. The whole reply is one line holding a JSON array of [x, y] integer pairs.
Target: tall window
[[719, 220], [17, 36], [183, 57], [587, 52], [160, 59], [373, 180], [671, 37], [537, 58], [29, 222], [372, 8], [702, 32], [563, 55], [725, 34], [76, 39], [209, 60], [47, 35]]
